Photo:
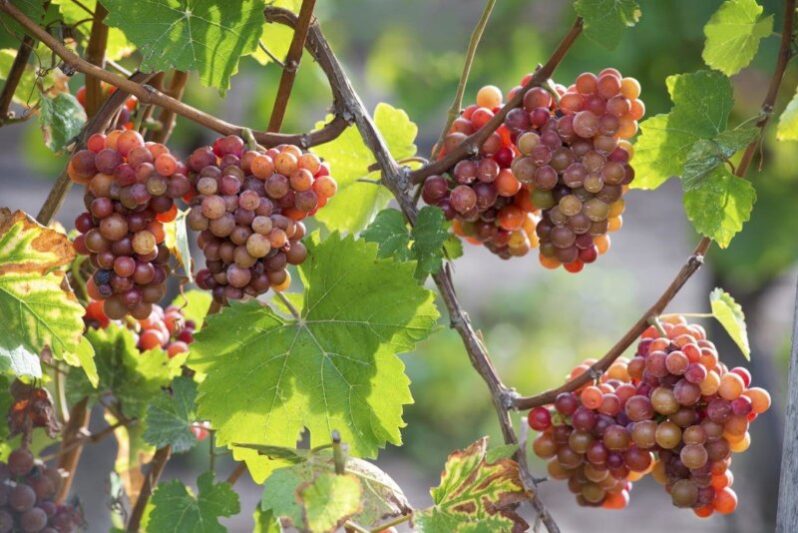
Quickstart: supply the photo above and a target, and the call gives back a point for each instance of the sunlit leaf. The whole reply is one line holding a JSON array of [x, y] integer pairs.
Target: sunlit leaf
[[730, 315], [178, 510], [733, 34]]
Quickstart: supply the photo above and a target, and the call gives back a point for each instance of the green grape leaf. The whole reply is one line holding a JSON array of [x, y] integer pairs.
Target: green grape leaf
[[733, 34], [329, 500], [382, 498], [334, 368], [178, 242], [118, 47], [706, 154], [719, 205], [37, 305], [730, 315], [61, 119], [134, 378], [476, 493], [353, 207], [195, 304], [605, 20], [787, 130], [12, 32], [20, 362], [170, 416], [199, 35], [702, 102], [177, 510], [26, 94], [389, 231], [276, 37], [453, 246], [265, 522], [429, 235]]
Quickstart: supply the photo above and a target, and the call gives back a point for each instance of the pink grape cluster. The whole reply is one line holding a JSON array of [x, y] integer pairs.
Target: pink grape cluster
[[674, 411], [28, 489], [131, 188], [486, 202], [248, 207]]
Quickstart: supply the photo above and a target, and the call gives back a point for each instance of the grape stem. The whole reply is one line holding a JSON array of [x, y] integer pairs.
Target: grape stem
[[471, 144], [695, 261], [149, 95], [654, 321], [287, 303], [291, 64], [457, 103], [397, 180]]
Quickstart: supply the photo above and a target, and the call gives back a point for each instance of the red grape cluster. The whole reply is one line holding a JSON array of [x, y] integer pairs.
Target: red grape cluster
[[167, 329], [674, 411], [573, 155], [27, 492], [482, 196], [131, 188], [248, 207], [124, 118]]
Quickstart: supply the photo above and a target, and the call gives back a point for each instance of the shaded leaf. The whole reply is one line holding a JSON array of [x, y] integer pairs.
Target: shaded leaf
[[733, 34], [177, 509], [706, 155], [605, 20], [336, 367], [199, 35], [170, 417], [429, 235], [329, 500], [11, 30], [61, 119], [389, 231], [730, 315], [719, 204]]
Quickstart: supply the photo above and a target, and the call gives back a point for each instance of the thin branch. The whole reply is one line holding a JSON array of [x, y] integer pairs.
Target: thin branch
[[291, 64], [457, 103], [397, 180], [95, 54], [99, 122], [270, 54], [72, 445], [157, 465], [287, 303], [237, 473], [167, 118], [471, 144], [15, 75], [695, 261], [148, 95], [83, 438]]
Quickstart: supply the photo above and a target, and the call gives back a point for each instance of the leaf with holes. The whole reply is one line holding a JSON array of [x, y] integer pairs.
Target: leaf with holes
[[702, 102], [733, 34], [356, 202], [176, 509], [269, 377], [605, 20], [478, 492], [37, 307], [201, 35], [730, 315], [61, 118], [170, 416]]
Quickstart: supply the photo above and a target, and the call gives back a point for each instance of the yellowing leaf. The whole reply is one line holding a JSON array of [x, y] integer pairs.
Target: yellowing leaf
[[730, 315], [329, 500]]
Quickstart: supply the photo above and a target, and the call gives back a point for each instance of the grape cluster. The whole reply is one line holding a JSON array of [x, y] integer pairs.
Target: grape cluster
[[166, 329], [674, 411], [482, 196], [126, 112], [574, 155], [131, 188], [27, 492], [248, 207]]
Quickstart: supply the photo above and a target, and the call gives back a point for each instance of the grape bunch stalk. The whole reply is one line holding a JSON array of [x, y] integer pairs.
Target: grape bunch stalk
[[482, 196], [673, 411], [248, 206], [131, 188], [28, 488]]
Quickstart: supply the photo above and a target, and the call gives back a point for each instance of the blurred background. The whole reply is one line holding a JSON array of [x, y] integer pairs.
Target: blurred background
[[537, 323]]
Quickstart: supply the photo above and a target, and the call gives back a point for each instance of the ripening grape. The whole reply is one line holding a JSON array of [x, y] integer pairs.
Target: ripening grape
[[248, 207], [661, 413]]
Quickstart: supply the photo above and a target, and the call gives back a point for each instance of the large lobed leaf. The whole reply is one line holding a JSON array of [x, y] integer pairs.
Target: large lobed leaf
[[208, 36], [177, 510], [268, 377], [733, 34], [605, 20], [479, 491], [37, 307], [356, 202]]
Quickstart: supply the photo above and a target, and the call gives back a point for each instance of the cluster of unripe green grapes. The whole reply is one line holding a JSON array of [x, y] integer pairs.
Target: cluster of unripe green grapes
[[674, 411], [552, 176], [28, 489]]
